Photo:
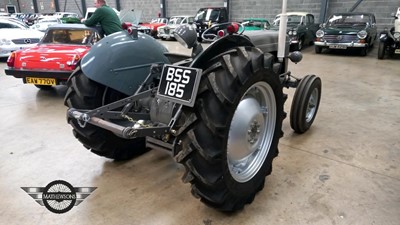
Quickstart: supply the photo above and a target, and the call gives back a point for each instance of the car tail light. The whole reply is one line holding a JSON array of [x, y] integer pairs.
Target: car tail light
[[130, 30], [11, 60], [126, 25], [233, 28], [74, 61], [221, 33]]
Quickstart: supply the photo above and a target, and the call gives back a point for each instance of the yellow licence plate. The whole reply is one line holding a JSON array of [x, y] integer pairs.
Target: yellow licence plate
[[41, 81]]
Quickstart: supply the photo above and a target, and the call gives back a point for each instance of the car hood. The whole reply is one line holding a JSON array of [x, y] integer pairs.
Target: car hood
[[171, 26], [131, 16], [20, 33], [152, 24], [342, 30], [49, 56], [53, 52], [288, 27]]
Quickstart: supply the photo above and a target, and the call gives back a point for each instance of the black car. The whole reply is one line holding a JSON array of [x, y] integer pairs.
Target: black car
[[389, 39], [206, 17], [347, 31]]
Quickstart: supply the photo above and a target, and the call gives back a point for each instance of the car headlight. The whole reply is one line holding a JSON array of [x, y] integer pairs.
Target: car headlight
[[294, 32], [396, 35], [290, 32], [320, 33], [5, 42], [362, 34]]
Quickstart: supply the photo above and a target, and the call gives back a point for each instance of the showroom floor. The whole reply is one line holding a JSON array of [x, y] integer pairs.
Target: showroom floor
[[344, 170]]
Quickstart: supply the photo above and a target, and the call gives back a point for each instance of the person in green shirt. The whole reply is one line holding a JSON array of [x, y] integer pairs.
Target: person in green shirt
[[106, 16]]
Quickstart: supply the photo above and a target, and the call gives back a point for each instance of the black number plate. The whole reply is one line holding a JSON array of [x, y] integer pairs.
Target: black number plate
[[179, 84]]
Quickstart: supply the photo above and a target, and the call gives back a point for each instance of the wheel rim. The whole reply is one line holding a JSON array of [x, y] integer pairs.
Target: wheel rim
[[312, 105], [251, 132], [300, 44]]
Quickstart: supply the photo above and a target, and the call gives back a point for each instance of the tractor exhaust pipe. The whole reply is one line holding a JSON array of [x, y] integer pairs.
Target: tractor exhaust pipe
[[282, 32]]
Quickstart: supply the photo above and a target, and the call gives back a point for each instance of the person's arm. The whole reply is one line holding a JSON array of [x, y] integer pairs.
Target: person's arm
[[95, 18]]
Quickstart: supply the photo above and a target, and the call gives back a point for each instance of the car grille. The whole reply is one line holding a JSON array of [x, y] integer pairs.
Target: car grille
[[201, 28], [146, 31], [340, 38], [23, 41]]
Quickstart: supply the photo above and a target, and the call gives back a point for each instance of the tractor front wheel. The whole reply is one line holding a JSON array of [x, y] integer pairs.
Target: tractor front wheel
[[305, 103]]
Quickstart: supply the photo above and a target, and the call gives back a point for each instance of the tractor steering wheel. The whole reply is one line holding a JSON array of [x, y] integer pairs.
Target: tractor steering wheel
[[211, 34]]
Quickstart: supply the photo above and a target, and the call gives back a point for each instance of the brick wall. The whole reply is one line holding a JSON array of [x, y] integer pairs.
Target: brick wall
[[269, 9], [381, 8], [239, 9]]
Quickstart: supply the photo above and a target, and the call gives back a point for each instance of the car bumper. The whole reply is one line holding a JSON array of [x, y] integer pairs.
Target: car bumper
[[340, 45], [60, 76], [165, 35], [5, 50]]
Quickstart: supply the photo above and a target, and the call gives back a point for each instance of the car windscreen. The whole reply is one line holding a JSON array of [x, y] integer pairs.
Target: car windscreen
[[65, 36], [338, 20], [255, 23], [291, 19], [175, 20], [11, 24], [54, 20], [207, 15]]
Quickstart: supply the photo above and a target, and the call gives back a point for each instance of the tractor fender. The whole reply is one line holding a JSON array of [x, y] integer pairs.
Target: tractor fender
[[121, 62], [219, 46], [266, 41], [383, 36]]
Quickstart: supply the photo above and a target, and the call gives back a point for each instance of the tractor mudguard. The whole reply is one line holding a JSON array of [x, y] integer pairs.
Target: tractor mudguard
[[266, 41], [219, 46], [120, 62]]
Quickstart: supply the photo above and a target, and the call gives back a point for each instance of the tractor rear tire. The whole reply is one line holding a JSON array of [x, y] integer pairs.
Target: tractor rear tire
[[84, 93], [227, 151]]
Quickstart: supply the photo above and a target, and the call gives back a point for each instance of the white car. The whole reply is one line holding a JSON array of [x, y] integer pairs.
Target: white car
[[167, 31], [90, 11], [15, 36], [44, 23], [65, 14]]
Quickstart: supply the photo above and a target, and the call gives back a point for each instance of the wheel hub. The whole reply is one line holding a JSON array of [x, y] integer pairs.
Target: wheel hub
[[312, 105], [248, 122], [251, 132]]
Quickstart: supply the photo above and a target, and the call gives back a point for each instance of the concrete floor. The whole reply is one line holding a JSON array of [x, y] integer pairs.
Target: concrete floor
[[345, 170]]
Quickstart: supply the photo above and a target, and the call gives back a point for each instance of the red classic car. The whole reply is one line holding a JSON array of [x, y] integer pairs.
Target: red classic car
[[154, 25], [54, 58]]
